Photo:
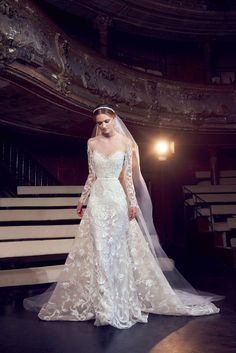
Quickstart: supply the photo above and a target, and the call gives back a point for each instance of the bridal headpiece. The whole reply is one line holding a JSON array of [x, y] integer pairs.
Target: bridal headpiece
[[104, 107]]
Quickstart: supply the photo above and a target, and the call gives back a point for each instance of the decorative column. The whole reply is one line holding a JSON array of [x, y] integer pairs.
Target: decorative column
[[102, 23], [207, 52], [213, 166]]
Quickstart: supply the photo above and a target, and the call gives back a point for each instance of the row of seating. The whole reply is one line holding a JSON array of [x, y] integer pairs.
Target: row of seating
[[36, 228], [218, 204], [226, 177]]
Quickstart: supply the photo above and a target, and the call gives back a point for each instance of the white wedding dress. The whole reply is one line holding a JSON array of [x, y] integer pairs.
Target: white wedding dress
[[110, 274]]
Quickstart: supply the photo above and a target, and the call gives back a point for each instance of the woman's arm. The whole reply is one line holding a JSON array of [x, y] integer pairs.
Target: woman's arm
[[89, 182], [128, 181]]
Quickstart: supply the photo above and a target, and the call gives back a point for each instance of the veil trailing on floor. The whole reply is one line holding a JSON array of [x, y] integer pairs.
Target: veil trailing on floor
[[182, 288], [187, 294]]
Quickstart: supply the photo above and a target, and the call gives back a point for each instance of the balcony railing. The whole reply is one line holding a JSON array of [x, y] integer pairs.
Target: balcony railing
[[21, 168]]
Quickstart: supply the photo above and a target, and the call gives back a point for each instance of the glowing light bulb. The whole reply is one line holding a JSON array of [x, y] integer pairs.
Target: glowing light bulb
[[162, 147]]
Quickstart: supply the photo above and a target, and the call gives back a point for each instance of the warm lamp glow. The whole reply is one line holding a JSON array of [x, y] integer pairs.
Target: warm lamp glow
[[164, 148]]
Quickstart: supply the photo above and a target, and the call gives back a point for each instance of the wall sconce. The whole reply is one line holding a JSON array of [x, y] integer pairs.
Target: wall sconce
[[164, 149]]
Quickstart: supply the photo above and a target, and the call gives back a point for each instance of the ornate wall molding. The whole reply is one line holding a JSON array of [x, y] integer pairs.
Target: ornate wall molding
[[35, 54], [63, 77], [167, 19]]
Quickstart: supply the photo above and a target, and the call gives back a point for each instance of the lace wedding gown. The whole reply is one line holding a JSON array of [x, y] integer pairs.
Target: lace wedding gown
[[110, 274]]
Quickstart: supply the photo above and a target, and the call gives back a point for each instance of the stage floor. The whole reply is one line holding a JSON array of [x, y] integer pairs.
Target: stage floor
[[22, 332]]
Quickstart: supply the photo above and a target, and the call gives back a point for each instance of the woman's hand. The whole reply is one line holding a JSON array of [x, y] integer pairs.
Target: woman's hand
[[80, 210], [132, 212]]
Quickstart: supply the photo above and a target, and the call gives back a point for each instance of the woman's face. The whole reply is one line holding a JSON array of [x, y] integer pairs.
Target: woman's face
[[105, 123]]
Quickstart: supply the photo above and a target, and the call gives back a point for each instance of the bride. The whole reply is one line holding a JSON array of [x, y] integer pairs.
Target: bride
[[116, 271]]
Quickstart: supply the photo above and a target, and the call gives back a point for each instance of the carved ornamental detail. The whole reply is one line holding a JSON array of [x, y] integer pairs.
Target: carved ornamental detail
[[63, 77], [33, 49], [8, 51]]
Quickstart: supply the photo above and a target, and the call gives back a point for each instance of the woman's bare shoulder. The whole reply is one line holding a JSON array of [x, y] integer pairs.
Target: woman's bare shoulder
[[128, 142], [125, 139], [91, 141]]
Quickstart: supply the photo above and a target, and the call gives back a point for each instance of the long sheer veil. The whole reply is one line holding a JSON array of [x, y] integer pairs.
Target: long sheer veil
[[183, 289], [187, 294]]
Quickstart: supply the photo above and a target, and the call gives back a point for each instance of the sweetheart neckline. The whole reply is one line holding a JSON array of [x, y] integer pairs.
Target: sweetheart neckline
[[108, 155]]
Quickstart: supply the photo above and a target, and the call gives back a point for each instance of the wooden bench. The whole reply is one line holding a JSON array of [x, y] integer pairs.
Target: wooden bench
[[226, 177], [49, 190], [215, 198], [35, 202], [197, 194], [198, 199], [222, 181], [37, 215], [231, 222], [216, 202], [214, 209], [218, 210], [206, 174], [210, 196], [192, 193], [209, 189]]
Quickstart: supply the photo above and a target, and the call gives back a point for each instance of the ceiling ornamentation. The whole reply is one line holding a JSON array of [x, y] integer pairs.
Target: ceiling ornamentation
[[50, 65], [167, 19]]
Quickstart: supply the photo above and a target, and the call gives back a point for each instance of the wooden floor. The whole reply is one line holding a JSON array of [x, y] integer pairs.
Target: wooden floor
[[22, 331]]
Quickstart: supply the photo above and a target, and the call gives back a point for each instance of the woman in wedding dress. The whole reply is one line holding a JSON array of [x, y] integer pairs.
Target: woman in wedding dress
[[116, 272]]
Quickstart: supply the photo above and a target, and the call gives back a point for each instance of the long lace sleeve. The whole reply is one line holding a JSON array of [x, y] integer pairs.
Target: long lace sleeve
[[129, 179], [90, 179]]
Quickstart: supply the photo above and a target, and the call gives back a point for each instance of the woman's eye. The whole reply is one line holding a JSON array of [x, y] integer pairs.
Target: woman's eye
[[105, 121]]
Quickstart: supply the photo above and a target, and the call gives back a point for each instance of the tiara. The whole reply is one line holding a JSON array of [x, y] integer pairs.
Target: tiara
[[104, 107]]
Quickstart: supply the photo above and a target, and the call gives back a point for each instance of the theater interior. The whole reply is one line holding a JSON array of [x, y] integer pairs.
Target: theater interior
[[168, 68]]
